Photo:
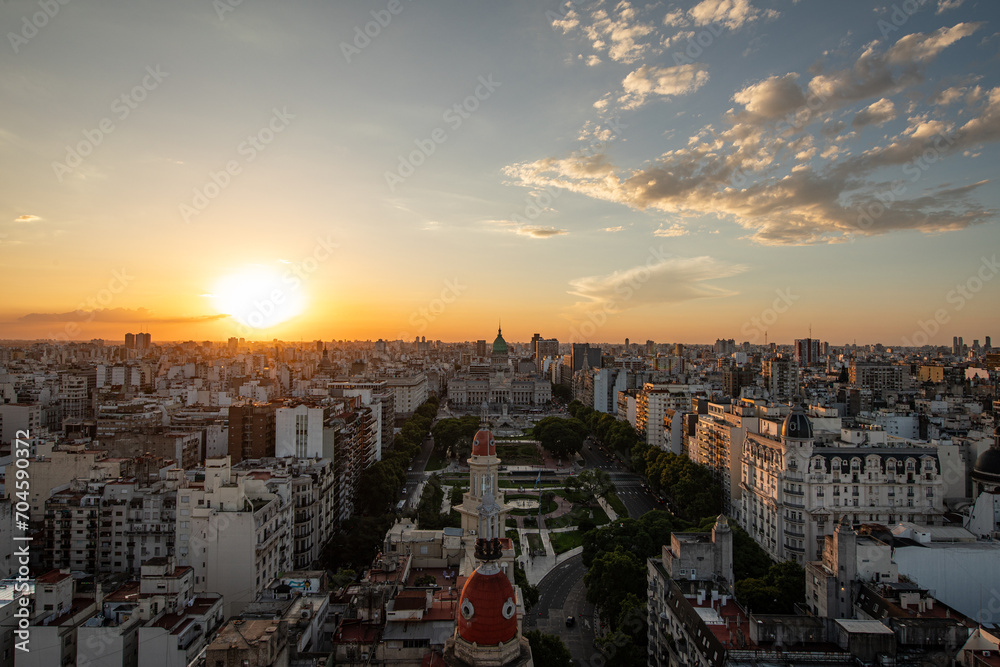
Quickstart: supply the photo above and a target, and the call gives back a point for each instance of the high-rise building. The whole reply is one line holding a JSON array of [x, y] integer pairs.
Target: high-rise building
[[781, 378], [584, 355], [734, 378], [251, 431], [807, 351], [299, 431]]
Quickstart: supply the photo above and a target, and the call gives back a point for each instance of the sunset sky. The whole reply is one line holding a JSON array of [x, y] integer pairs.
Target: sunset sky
[[586, 170]]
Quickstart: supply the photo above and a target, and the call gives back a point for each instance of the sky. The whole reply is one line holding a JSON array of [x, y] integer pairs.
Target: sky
[[591, 170]]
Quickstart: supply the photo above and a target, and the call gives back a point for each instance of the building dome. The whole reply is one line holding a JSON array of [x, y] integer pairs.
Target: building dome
[[988, 464], [487, 609], [797, 424], [483, 444], [499, 345]]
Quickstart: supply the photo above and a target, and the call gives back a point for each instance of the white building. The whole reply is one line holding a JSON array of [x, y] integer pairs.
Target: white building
[[234, 533], [795, 491], [410, 392], [299, 432]]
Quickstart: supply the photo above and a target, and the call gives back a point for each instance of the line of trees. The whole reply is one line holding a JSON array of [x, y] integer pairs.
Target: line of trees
[[606, 428], [692, 489], [359, 538], [429, 514]]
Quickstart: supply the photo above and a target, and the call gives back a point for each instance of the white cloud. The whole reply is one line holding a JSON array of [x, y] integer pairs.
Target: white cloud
[[672, 230], [666, 81], [27, 218], [657, 281], [921, 47], [945, 5], [875, 114], [731, 13], [773, 97], [531, 231]]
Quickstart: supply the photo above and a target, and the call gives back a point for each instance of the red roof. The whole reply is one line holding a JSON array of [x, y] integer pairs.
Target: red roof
[[487, 612], [52, 577], [483, 445]]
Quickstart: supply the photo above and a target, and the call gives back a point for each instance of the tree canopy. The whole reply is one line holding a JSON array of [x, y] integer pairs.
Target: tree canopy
[[455, 435], [548, 650], [588, 486], [560, 436]]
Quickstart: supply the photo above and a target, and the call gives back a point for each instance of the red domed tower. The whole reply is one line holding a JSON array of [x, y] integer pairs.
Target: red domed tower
[[487, 633]]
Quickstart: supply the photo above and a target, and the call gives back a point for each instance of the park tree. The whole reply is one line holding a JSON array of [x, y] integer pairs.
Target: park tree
[[380, 484], [611, 577], [776, 592], [548, 650], [561, 437], [589, 485], [455, 434], [620, 650]]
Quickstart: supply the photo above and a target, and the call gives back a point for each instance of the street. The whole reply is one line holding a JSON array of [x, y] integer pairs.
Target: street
[[562, 594], [628, 485]]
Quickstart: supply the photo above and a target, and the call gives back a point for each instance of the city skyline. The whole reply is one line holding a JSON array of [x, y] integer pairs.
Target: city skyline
[[591, 171]]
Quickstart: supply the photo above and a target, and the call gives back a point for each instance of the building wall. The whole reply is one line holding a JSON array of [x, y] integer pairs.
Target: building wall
[[298, 431]]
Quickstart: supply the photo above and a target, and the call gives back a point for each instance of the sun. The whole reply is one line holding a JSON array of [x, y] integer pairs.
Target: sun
[[259, 296]]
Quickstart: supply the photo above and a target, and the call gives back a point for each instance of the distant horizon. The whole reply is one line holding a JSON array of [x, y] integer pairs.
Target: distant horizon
[[312, 341]]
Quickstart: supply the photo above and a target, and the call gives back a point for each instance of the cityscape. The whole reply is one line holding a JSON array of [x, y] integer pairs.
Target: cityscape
[[552, 333], [492, 503]]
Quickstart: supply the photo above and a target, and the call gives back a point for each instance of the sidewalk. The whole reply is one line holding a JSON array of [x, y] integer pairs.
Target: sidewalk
[[535, 568], [612, 515]]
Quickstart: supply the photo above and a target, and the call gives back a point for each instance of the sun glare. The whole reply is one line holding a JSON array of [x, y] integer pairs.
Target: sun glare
[[259, 296]]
